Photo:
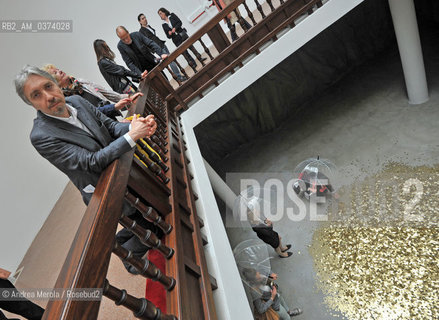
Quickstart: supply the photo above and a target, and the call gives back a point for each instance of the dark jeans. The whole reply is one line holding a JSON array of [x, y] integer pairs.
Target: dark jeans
[[24, 307]]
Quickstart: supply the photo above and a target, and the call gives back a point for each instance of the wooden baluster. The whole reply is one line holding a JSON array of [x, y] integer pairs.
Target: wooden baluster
[[232, 29], [206, 49], [163, 129], [157, 149], [147, 237], [244, 24], [270, 4], [145, 267], [258, 5], [181, 69], [159, 141], [141, 307], [156, 103], [152, 166], [148, 213], [174, 76], [249, 13], [154, 144], [160, 135], [152, 155]]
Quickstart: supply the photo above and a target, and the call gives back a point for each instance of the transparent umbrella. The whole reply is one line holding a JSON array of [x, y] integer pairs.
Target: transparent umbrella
[[253, 205], [252, 259], [314, 176]]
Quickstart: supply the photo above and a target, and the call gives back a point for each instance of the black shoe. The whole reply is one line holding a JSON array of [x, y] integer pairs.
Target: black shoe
[[288, 248], [289, 254], [295, 312]]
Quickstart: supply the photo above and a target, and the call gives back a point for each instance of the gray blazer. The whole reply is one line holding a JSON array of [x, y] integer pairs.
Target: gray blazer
[[81, 156]]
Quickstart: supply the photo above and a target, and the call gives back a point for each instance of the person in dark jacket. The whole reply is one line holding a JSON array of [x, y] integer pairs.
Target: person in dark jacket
[[115, 75], [138, 51], [174, 30], [149, 32]]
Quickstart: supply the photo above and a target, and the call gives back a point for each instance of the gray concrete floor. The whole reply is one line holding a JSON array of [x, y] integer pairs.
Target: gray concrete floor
[[364, 122]]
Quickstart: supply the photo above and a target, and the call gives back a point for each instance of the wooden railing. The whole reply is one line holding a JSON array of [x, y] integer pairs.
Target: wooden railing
[[224, 57], [159, 187]]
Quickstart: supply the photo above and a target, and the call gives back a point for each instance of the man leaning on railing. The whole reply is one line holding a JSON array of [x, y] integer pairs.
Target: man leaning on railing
[[79, 140]]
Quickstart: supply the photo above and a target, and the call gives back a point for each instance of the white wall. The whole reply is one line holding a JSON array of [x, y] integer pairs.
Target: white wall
[[29, 184]]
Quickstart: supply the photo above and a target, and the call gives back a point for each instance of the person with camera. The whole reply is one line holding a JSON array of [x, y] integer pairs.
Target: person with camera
[[265, 295]]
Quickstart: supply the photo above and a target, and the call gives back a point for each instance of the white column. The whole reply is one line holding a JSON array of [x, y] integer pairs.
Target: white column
[[409, 44], [220, 187]]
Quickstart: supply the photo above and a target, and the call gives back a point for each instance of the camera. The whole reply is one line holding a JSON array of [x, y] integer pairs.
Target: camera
[[271, 283]]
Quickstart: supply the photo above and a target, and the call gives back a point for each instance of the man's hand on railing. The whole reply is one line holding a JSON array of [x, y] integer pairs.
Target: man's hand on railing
[[150, 121], [142, 127], [144, 73], [164, 56]]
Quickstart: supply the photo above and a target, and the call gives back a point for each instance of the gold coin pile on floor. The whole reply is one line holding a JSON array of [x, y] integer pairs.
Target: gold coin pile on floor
[[377, 257]]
